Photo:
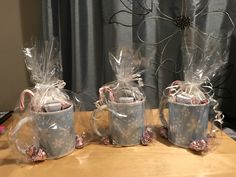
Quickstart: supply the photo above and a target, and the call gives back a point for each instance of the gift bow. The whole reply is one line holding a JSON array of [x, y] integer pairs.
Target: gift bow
[[60, 84], [132, 78]]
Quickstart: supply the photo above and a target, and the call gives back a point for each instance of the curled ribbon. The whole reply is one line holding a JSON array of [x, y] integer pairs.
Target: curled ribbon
[[219, 116], [202, 94], [197, 92], [200, 90]]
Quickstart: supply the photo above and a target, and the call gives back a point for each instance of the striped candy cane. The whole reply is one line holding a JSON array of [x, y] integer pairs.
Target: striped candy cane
[[22, 98], [104, 89]]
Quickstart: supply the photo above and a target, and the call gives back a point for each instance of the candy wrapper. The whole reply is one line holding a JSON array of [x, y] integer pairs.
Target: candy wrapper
[[43, 127], [190, 102], [125, 102]]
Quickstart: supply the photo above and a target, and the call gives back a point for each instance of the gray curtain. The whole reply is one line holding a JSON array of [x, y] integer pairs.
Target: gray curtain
[[88, 29]]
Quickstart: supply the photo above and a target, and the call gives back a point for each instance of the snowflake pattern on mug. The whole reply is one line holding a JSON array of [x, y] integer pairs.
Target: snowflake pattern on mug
[[127, 130], [180, 138], [187, 123], [192, 125], [57, 143]]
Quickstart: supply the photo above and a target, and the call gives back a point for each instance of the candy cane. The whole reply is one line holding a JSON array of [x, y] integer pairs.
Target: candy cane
[[173, 89], [176, 82], [22, 98], [102, 90]]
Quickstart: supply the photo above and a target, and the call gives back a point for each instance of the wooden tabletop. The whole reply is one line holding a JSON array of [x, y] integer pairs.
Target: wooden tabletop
[[158, 159]]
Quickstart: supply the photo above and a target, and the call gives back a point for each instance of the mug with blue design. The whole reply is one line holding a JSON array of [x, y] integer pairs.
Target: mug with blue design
[[126, 128], [49, 113], [56, 132], [186, 122], [125, 123], [53, 133]]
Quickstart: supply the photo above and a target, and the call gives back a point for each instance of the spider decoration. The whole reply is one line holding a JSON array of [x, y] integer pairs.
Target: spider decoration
[[188, 18], [191, 14], [182, 22]]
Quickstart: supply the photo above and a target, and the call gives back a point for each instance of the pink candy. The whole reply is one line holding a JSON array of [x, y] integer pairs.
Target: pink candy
[[2, 129], [35, 154], [199, 145]]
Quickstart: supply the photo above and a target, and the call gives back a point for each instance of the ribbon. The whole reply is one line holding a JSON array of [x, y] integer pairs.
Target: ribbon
[[219, 116], [36, 105], [106, 89], [131, 78], [60, 84], [196, 92]]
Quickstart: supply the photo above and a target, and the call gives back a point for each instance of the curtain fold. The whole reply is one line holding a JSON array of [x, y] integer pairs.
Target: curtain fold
[[87, 43]]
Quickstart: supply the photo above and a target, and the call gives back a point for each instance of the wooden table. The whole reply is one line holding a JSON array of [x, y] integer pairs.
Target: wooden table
[[158, 159]]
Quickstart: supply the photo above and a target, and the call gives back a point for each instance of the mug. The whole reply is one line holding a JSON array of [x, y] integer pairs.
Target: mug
[[55, 131], [186, 123], [126, 122]]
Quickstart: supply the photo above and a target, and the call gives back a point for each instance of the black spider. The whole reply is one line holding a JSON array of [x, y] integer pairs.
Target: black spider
[[182, 22]]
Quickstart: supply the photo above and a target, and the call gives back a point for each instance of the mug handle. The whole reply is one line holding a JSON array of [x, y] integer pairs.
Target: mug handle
[[18, 126], [163, 119], [93, 120]]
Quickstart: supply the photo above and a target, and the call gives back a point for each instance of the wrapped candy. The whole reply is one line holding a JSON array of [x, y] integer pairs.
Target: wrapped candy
[[2, 129], [44, 122], [125, 102], [191, 101]]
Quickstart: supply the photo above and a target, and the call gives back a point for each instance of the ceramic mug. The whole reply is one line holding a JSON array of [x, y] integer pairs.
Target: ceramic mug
[[186, 122], [126, 123], [55, 131]]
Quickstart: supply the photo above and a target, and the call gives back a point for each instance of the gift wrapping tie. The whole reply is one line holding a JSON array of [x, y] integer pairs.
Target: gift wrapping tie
[[131, 78], [59, 84]]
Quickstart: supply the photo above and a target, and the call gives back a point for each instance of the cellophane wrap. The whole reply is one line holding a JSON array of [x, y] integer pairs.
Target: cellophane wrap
[[191, 102], [124, 102], [46, 117]]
